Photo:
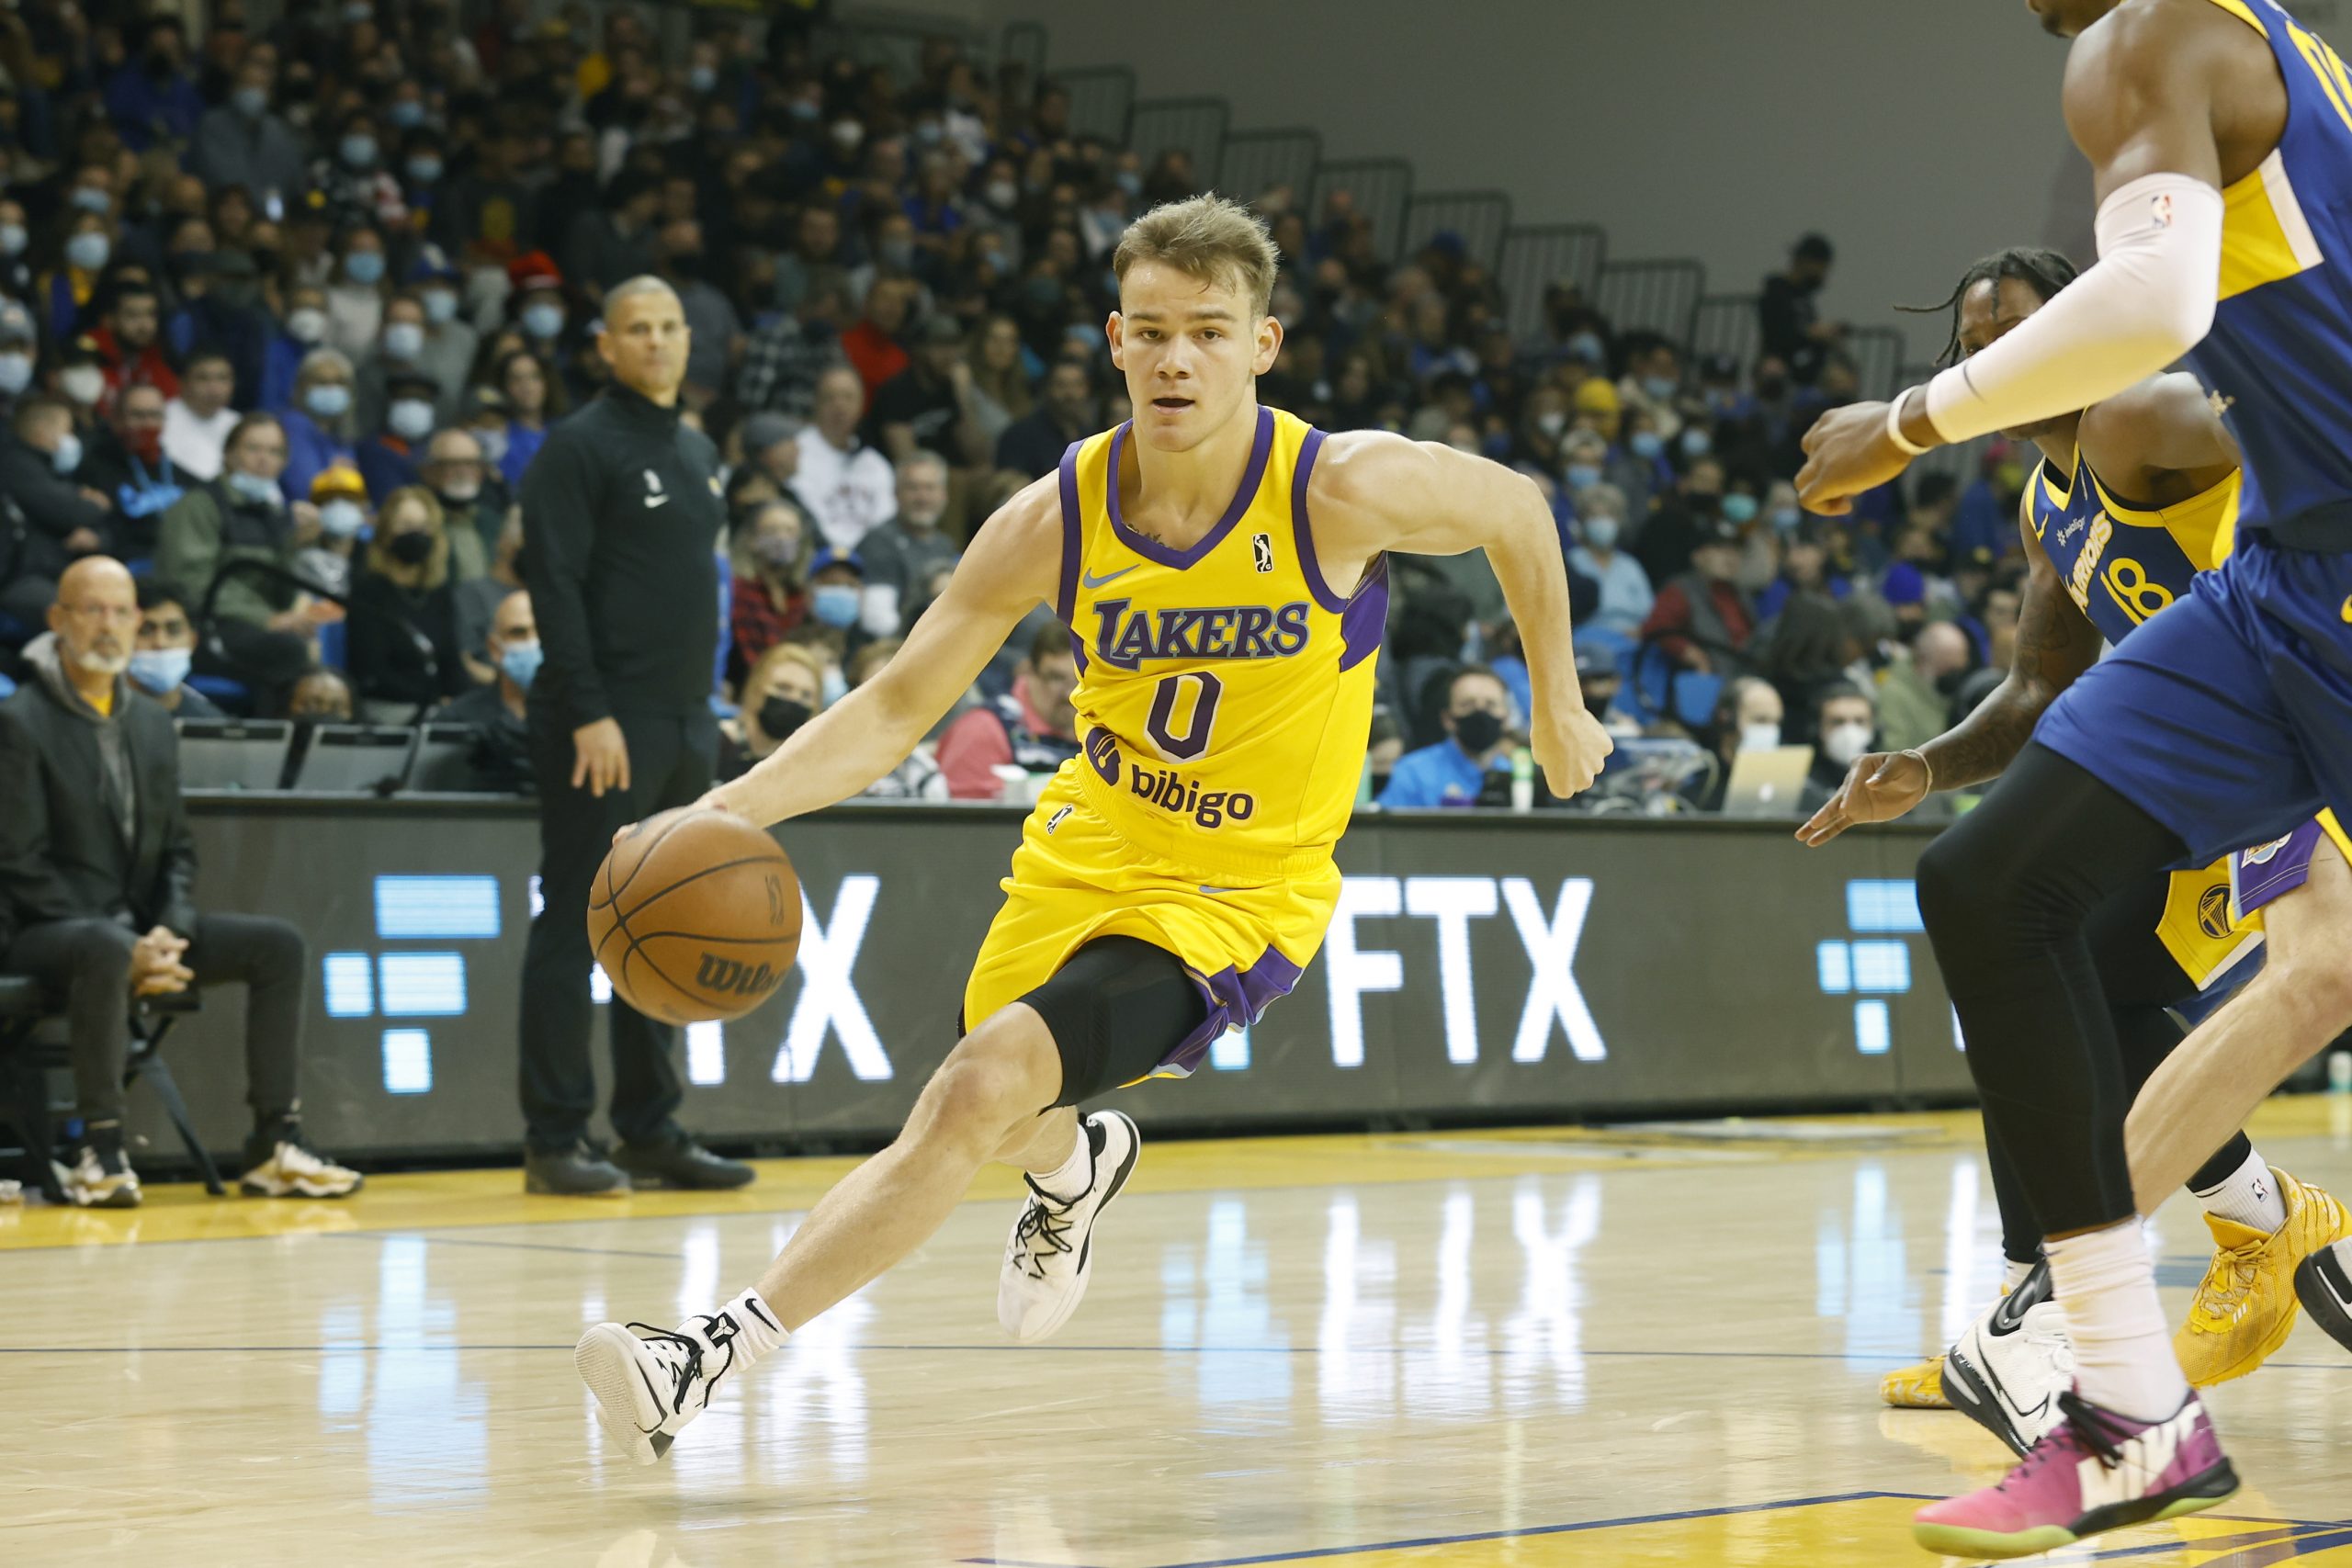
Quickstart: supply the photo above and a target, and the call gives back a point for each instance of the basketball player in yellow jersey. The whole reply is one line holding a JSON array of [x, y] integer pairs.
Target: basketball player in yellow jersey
[[1221, 567]]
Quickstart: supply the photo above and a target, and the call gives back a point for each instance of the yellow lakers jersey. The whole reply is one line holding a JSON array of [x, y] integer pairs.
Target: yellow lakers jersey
[[1224, 691]]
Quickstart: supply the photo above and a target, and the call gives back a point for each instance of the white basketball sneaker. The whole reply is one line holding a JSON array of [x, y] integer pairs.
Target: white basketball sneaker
[[2008, 1370], [1051, 1253], [650, 1382]]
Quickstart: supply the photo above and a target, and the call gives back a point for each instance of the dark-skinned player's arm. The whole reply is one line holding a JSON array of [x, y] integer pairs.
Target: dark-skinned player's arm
[[2159, 443], [2139, 103], [1013, 565], [1373, 492], [2056, 642]]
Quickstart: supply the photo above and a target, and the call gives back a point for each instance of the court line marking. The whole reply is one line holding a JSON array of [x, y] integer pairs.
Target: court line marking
[[469, 1241], [2282, 1533]]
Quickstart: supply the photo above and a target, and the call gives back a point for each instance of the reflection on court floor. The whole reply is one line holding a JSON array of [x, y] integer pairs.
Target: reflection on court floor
[[1533, 1347]]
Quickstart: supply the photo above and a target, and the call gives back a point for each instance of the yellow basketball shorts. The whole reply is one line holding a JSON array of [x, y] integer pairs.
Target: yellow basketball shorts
[[2212, 918], [1075, 878]]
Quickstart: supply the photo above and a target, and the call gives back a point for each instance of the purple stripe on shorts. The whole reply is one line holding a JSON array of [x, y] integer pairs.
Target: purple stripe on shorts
[[1236, 998], [2268, 871]]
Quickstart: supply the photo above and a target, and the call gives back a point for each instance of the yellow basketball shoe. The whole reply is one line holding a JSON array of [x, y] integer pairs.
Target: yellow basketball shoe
[[2245, 1305], [1916, 1387]]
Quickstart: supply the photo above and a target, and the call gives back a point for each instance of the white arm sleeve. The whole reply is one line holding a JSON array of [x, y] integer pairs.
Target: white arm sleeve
[[2149, 300]]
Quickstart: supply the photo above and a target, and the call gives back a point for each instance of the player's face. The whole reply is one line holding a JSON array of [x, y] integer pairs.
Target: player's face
[[1987, 311], [1192, 351]]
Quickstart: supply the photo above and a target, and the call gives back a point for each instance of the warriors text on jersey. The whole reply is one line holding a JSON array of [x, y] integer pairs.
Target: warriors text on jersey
[[1225, 700], [2120, 563]]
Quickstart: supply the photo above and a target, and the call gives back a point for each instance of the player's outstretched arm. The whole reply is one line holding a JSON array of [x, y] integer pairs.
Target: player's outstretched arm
[[2139, 99], [1012, 564], [2056, 642], [1373, 492]]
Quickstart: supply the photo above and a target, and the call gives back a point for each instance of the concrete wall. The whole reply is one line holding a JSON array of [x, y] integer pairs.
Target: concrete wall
[[1917, 135]]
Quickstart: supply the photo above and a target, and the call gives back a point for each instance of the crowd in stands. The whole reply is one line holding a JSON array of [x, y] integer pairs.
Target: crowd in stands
[[286, 312]]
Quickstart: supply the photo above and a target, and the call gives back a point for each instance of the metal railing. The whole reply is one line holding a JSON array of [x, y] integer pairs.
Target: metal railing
[[1726, 323], [1256, 161], [1478, 218], [1655, 296], [1535, 257], [1194, 127], [1380, 188], [1101, 98]]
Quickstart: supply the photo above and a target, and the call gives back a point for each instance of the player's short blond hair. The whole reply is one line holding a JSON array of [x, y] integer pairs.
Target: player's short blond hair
[[1207, 237]]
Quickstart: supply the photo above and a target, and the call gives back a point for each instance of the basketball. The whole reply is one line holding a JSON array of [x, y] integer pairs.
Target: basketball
[[694, 916]]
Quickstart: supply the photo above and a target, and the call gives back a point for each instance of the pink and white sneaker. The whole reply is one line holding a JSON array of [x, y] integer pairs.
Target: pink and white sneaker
[[2094, 1472]]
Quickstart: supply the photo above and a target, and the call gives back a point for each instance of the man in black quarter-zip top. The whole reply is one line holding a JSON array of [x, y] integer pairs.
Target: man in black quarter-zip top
[[621, 513]]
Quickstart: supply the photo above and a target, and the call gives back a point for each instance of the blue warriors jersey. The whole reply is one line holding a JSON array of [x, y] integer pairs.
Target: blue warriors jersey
[[2121, 564], [2282, 343], [1224, 691]]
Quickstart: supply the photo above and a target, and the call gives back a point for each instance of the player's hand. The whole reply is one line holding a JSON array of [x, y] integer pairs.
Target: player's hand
[[600, 757], [1570, 749], [1847, 452], [1879, 787], [713, 800]]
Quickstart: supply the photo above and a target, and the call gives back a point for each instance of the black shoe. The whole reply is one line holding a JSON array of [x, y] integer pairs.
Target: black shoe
[[576, 1172], [2325, 1286], [681, 1162]]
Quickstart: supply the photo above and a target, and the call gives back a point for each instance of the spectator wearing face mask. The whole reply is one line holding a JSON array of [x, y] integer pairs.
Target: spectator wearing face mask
[[80, 381], [1626, 597], [1915, 691], [69, 294], [243, 143], [1703, 619], [398, 349], [1477, 742], [1652, 386], [357, 294], [393, 457], [837, 598], [460, 480], [1748, 718], [535, 301], [127, 463], [196, 422], [405, 585], [301, 333], [496, 710], [16, 255], [901, 555], [1684, 515], [1845, 725], [164, 651], [451, 341], [353, 182], [265, 627], [1788, 316], [320, 424], [20, 347], [784, 690], [479, 596], [339, 500], [64, 520], [769, 595]]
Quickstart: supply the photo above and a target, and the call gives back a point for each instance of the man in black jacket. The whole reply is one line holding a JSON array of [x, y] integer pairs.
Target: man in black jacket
[[621, 513], [40, 455], [96, 873]]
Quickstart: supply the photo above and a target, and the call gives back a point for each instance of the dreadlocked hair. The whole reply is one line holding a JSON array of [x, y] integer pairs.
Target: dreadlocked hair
[[2044, 272]]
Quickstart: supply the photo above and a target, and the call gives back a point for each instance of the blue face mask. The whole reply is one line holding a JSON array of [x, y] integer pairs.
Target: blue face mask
[[251, 487], [1785, 518], [702, 78], [1600, 533], [251, 102], [423, 170], [365, 268], [521, 661], [1739, 508], [1588, 347], [543, 320], [835, 605], [90, 199], [1645, 444], [358, 151], [158, 670], [1583, 476], [88, 252], [328, 401], [440, 306], [1697, 443], [408, 114], [1661, 389], [834, 687], [67, 456]]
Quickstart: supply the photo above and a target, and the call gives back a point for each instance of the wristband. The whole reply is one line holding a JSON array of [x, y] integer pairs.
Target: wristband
[[1925, 766], [1902, 442]]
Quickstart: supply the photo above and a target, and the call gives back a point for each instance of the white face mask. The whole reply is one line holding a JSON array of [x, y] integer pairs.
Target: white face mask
[[1759, 737], [1844, 742], [307, 325], [85, 384]]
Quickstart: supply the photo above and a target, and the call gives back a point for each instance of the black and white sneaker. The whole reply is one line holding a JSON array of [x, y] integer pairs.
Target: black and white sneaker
[[650, 1382], [1051, 1252], [100, 1176], [2324, 1284], [2008, 1370]]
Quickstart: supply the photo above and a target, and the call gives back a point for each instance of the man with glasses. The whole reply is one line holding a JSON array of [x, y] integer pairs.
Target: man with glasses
[[97, 868]]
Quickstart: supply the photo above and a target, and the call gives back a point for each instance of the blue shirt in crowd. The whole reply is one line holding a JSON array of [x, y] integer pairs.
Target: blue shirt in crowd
[[1442, 775]]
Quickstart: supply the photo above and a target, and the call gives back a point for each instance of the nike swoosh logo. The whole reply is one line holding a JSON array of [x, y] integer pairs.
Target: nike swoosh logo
[[1093, 581], [653, 500]]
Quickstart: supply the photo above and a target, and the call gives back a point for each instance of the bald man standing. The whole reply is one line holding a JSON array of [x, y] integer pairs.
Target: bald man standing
[[621, 513], [97, 874]]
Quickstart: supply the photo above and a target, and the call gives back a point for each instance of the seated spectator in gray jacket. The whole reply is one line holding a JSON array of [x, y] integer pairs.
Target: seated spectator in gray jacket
[[901, 555], [98, 880]]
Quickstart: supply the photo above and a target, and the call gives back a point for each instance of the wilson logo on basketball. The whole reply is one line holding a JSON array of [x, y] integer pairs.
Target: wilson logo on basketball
[[726, 975]]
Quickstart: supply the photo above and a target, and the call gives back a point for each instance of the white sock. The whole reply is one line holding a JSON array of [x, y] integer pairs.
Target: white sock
[[757, 1332], [1069, 1181], [2012, 1274], [2249, 1196], [2124, 1358]]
